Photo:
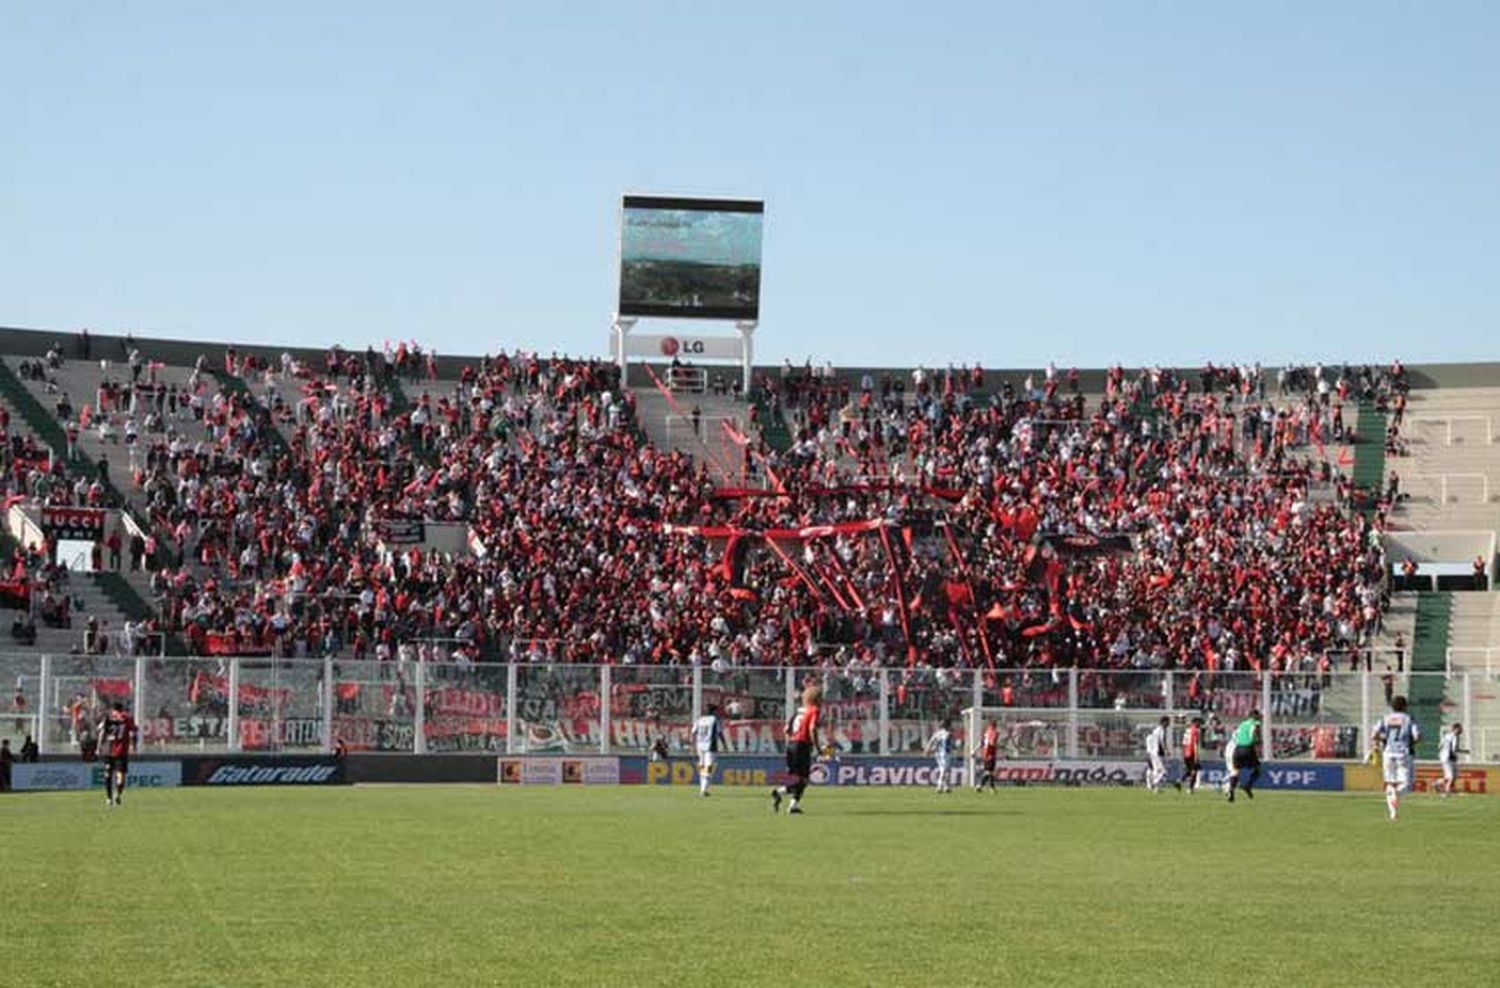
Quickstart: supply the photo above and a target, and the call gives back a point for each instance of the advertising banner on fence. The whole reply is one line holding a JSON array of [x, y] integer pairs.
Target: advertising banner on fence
[[885, 771], [1285, 775], [1471, 778], [736, 771], [906, 771], [272, 771], [923, 772], [553, 771], [90, 775]]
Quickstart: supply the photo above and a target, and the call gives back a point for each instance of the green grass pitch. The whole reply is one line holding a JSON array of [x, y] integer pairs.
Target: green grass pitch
[[472, 885]]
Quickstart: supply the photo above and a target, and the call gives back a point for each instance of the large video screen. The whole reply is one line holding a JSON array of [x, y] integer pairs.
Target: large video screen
[[698, 258]]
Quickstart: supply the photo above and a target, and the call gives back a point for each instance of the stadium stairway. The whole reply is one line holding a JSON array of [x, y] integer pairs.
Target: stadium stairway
[[665, 427], [1427, 694], [773, 427], [1369, 451]]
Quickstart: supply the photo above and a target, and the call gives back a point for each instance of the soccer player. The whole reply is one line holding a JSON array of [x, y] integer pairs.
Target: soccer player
[[989, 750], [708, 735], [801, 742], [1448, 752], [1243, 752], [1192, 740], [940, 746], [1397, 735], [118, 735], [1156, 755]]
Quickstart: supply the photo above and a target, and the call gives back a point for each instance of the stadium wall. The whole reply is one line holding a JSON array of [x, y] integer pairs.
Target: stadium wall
[[36, 342]]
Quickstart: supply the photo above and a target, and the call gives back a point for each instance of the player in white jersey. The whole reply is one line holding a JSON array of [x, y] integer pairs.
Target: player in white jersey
[[1448, 752], [940, 746], [708, 736], [1397, 735], [1157, 746]]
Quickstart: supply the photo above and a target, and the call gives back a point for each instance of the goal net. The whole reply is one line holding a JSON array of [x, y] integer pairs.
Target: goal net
[[1021, 733]]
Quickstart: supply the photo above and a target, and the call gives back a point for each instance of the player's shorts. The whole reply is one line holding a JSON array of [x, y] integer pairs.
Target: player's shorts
[[1239, 758], [1190, 766], [707, 760], [120, 762], [989, 764], [1157, 764], [1450, 771], [799, 758], [1397, 771]]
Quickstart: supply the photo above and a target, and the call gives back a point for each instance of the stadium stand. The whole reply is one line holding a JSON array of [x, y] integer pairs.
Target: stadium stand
[[530, 508], [1442, 475], [1224, 519]]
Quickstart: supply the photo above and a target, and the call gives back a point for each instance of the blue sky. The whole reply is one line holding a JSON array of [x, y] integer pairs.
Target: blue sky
[[1004, 182]]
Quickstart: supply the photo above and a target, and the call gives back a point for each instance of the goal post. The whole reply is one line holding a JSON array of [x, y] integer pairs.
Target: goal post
[[1024, 734]]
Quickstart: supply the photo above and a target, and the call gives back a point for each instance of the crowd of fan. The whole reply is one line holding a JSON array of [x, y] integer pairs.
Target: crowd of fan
[[1165, 525], [1235, 559]]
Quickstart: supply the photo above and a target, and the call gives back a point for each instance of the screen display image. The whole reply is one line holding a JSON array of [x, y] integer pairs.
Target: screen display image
[[697, 258]]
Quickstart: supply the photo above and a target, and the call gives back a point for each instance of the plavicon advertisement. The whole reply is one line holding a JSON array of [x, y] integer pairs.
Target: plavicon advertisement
[[690, 258]]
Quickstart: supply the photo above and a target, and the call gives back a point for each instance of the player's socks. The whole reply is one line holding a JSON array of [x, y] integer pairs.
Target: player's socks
[[1392, 801], [776, 800]]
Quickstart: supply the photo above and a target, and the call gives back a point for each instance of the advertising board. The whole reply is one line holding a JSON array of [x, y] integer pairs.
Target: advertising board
[[1307, 776], [34, 776], [315, 770], [1471, 778], [876, 770], [529, 770]]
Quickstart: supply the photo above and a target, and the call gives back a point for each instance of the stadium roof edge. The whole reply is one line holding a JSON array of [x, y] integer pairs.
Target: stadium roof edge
[[36, 342]]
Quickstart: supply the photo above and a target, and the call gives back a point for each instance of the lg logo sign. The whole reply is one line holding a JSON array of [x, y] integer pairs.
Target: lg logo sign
[[671, 346]]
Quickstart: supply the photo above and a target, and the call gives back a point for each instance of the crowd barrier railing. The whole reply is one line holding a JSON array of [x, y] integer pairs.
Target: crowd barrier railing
[[233, 704]]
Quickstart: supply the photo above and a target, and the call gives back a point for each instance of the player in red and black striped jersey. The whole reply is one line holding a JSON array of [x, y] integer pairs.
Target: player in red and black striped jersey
[[801, 742], [1192, 743], [117, 736], [989, 751]]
